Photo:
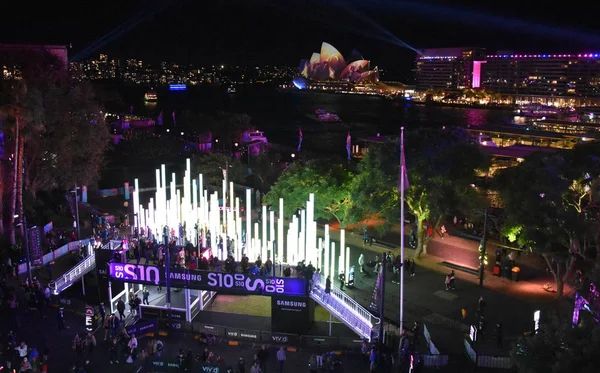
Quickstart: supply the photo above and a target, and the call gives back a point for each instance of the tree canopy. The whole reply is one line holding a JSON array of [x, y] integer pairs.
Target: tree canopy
[[550, 208], [330, 183], [442, 170], [558, 347], [211, 166]]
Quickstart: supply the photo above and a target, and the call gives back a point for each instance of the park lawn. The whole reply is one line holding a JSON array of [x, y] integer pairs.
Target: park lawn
[[255, 305]]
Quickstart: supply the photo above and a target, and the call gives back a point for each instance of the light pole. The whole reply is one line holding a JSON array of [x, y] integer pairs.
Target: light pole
[[27, 253], [76, 210]]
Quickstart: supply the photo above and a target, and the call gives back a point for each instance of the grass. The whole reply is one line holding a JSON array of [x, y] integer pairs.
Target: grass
[[255, 305]]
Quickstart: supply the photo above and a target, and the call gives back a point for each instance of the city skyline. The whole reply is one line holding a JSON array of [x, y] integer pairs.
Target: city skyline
[[243, 32]]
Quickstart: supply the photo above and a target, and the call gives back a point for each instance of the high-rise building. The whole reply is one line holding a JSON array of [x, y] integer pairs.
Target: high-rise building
[[453, 69], [447, 68]]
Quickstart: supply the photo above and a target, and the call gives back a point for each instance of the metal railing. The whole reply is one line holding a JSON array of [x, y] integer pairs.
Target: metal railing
[[74, 274], [347, 310], [54, 255]]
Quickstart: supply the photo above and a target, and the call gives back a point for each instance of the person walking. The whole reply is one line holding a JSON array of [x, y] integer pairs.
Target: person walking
[[112, 351], [255, 368], [281, 358], [480, 306], [499, 335], [133, 345], [121, 309], [241, 365], [442, 231], [312, 364], [327, 286], [411, 267]]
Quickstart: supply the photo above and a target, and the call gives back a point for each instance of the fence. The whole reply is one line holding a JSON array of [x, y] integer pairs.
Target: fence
[[53, 255], [275, 338]]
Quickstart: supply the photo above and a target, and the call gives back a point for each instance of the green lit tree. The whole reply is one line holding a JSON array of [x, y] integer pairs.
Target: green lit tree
[[550, 208], [330, 184], [442, 169], [211, 166]]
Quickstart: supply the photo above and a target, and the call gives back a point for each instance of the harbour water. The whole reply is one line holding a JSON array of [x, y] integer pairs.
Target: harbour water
[[280, 113]]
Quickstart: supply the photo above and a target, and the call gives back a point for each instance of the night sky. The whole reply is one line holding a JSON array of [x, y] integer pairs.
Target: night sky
[[284, 31]]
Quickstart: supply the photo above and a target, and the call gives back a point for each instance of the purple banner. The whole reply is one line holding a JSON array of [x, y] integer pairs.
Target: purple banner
[[205, 280]]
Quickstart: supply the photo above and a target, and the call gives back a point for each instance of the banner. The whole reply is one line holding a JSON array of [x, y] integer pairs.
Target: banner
[[376, 296], [35, 247], [48, 227], [291, 315], [156, 364], [142, 327], [237, 283]]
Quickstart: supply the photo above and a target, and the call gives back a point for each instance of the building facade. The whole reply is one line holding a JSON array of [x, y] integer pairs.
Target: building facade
[[449, 69], [565, 75]]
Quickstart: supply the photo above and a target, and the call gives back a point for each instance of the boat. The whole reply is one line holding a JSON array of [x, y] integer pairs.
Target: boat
[[177, 87], [328, 117], [151, 96], [256, 137], [231, 89], [538, 111], [320, 112]]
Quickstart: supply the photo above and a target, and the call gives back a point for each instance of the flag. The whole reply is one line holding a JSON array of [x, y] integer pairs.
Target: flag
[[403, 175], [300, 137], [174, 120], [349, 146], [159, 120]]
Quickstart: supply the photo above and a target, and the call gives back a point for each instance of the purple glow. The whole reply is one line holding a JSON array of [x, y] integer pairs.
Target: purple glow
[[584, 55], [583, 304], [205, 280], [476, 83]]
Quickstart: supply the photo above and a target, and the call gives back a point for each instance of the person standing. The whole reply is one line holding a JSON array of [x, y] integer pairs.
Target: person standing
[[328, 286], [361, 263], [263, 355], [102, 310], [241, 365], [480, 306], [442, 231], [146, 295], [281, 358], [342, 278], [121, 309], [411, 267], [312, 364], [499, 335]]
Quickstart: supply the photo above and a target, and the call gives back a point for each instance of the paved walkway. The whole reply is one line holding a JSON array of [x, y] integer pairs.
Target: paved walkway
[[425, 297]]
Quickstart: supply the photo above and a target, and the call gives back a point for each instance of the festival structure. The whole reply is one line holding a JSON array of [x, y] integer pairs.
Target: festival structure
[[193, 214]]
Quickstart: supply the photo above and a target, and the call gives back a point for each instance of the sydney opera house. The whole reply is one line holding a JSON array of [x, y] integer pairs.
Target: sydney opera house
[[330, 65]]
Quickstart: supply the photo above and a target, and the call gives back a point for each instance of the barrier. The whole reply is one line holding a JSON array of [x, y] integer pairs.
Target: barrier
[[215, 330], [318, 342], [283, 339], [496, 362], [53, 255], [437, 361]]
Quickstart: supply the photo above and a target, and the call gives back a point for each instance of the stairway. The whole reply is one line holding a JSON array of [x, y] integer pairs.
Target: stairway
[[81, 269], [347, 310]]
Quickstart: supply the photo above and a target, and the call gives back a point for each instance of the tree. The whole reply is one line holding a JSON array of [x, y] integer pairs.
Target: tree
[[55, 129], [442, 166], [211, 166], [550, 209], [329, 183], [558, 347]]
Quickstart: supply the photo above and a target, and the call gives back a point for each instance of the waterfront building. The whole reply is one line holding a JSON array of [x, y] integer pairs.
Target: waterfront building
[[557, 79]]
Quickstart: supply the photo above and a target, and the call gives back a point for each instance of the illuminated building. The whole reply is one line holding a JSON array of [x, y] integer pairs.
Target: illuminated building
[[449, 69], [524, 75], [330, 65]]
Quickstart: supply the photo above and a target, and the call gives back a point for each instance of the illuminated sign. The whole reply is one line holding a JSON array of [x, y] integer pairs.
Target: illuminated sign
[[89, 318], [536, 321], [205, 280]]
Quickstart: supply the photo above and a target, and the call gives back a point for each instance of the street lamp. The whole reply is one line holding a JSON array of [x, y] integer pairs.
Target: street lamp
[[27, 253], [293, 155], [76, 210]]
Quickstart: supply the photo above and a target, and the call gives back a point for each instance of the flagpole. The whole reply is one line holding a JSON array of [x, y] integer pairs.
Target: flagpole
[[402, 269]]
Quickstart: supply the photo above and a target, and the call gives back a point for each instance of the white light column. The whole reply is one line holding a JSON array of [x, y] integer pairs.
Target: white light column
[[319, 262], [347, 272], [341, 267], [332, 270], [256, 246], [263, 239], [194, 212], [311, 230], [249, 248], [272, 232], [303, 235], [326, 247], [238, 230], [280, 231], [230, 212]]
